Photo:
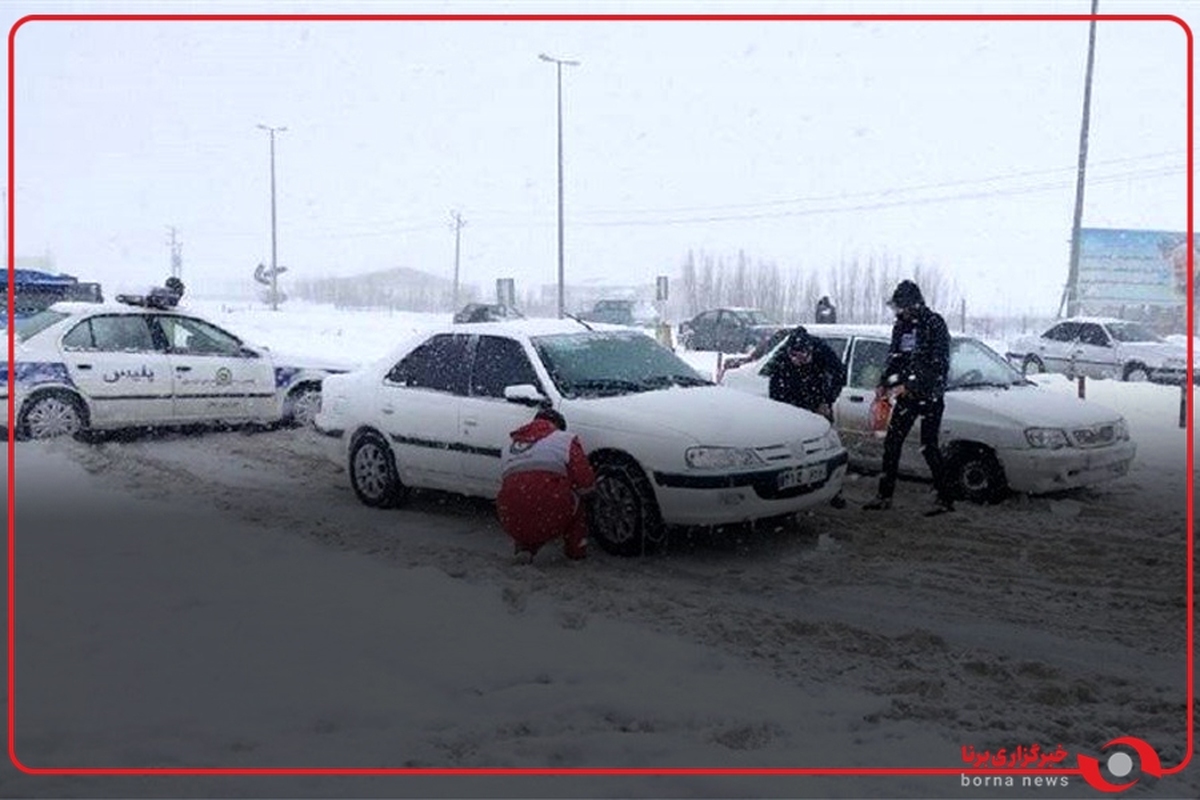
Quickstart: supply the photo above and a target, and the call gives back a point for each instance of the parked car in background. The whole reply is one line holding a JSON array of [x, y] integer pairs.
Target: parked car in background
[[669, 446], [34, 291], [612, 312], [1102, 347], [85, 366], [486, 312], [1000, 431], [727, 330]]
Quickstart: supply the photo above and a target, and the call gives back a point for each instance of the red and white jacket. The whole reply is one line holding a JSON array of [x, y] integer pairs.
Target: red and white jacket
[[557, 456]]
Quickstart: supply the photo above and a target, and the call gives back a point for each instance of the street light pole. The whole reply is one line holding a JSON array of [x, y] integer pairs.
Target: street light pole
[[559, 62], [274, 262]]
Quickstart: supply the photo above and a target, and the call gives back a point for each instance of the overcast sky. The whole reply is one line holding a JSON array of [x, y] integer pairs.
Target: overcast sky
[[801, 143]]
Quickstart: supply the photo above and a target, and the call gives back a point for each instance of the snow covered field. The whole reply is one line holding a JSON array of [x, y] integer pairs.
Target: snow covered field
[[223, 600]]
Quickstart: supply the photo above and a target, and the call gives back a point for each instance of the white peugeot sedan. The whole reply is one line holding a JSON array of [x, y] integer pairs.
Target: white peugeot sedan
[[89, 366], [999, 431], [669, 446], [1102, 347]]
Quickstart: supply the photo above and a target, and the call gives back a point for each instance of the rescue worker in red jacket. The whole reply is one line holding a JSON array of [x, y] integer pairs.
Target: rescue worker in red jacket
[[546, 476]]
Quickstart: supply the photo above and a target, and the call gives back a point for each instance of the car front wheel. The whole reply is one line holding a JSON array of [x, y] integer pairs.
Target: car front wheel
[[373, 472], [1032, 365], [53, 415], [303, 405], [976, 475], [624, 515], [1136, 373]]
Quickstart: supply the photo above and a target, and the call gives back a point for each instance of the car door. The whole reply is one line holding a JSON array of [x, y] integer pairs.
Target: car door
[[852, 412], [215, 378], [120, 368], [1095, 352], [704, 329], [418, 408], [731, 332], [486, 418], [1057, 346]]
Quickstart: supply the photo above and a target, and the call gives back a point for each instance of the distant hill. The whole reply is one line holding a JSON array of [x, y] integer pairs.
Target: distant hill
[[401, 288]]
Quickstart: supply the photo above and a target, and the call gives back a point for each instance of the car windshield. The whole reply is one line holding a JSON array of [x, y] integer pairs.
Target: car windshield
[[974, 365], [1133, 332], [602, 363], [27, 327]]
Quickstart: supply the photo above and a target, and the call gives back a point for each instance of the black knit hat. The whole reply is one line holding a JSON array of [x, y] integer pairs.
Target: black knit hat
[[907, 295]]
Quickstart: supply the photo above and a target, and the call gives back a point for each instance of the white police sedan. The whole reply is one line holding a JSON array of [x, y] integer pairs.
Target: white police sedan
[[669, 447], [88, 366]]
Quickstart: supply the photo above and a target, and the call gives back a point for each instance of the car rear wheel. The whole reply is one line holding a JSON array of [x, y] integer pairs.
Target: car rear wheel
[[624, 515], [976, 475], [1032, 365], [1136, 373], [53, 415], [302, 406], [373, 472]]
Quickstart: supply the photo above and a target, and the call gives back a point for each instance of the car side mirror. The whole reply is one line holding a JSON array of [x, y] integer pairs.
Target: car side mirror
[[526, 394]]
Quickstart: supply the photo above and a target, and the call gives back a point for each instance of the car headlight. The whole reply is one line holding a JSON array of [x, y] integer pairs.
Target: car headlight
[[721, 457], [1122, 430], [1049, 438]]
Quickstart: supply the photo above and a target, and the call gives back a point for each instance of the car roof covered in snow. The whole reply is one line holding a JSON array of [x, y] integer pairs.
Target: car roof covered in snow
[[531, 327]]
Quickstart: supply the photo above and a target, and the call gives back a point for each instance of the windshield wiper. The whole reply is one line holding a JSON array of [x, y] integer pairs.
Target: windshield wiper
[[608, 385], [660, 381], [979, 385]]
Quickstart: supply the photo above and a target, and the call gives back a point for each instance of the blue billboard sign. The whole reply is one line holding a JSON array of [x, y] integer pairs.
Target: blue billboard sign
[[1133, 268]]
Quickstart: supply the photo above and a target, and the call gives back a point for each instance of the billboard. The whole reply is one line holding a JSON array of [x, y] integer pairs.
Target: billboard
[[1132, 268]]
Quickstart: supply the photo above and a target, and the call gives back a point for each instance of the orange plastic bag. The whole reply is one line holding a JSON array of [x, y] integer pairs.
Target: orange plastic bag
[[881, 414]]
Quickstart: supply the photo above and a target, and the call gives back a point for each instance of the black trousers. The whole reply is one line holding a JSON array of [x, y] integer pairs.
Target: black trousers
[[904, 414]]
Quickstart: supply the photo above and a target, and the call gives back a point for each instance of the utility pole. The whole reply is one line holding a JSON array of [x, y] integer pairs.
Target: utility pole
[[558, 62], [459, 222], [176, 253], [274, 260], [1071, 292]]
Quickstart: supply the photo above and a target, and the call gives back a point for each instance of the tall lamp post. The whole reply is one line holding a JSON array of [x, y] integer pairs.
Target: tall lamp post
[[274, 262], [559, 62]]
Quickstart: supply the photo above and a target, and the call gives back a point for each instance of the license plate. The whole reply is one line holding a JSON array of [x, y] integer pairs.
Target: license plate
[[801, 476]]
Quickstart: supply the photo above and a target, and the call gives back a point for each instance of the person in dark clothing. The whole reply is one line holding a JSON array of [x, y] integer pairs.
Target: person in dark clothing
[[915, 375], [805, 372], [826, 311]]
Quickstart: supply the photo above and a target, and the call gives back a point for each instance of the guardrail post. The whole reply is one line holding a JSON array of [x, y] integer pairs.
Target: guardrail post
[[1081, 382], [1183, 388]]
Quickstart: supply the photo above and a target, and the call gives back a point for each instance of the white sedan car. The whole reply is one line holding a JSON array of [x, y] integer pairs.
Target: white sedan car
[[88, 366], [668, 445], [1101, 347], [999, 430]]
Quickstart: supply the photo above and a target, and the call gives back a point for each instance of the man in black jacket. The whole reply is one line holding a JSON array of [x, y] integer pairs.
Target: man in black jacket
[[915, 376], [805, 372]]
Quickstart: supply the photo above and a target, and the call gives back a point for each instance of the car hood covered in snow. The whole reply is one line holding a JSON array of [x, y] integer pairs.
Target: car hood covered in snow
[[711, 415], [1028, 406]]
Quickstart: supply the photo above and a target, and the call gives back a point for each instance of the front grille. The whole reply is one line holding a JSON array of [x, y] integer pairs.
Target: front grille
[[800, 449], [1095, 436]]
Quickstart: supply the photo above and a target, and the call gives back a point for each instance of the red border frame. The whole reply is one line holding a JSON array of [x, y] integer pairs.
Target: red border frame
[[796, 771]]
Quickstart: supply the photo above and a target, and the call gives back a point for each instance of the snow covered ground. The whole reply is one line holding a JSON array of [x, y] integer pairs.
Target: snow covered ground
[[223, 600]]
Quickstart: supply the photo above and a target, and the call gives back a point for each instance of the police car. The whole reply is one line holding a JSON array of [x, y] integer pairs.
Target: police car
[[143, 362]]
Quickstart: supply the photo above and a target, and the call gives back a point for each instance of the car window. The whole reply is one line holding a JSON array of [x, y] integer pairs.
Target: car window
[[500, 362], [837, 344], [26, 327], [868, 358], [114, 334], [1063, 332], [194, 337], [606, 363], [973, 364], [707, 318], [1093, 334], [1133, 332], [438, 363]]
